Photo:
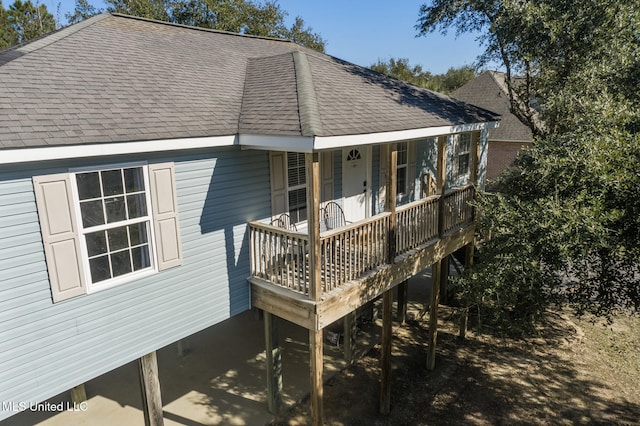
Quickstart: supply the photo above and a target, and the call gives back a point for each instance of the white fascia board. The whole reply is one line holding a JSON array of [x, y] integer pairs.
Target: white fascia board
[[511, 140], [277, 143], [25, 155], [330, 142]]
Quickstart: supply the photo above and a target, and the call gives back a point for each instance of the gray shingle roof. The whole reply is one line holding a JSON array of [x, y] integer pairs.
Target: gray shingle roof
[[489, 90], [115, 78]]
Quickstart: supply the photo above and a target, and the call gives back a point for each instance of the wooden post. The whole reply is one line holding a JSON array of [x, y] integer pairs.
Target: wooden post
[[385, 381], [433, 315], [313, 224], [349, 337], [150, 386], [403, 289], [274, 363], [78, 394], [468, 264], [390, 198], [441, 178], [444, 279], [315, 364]]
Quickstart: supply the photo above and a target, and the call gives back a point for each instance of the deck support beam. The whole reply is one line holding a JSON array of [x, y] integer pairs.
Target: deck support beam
[[78, 394], [349, 337], [468, 264], [150, 387], [385, 380], [433, 315], [403, 292], [274, 363], [316, 367]]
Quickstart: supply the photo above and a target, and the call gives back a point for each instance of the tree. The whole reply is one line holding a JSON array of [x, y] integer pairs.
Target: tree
[[565, 224], [83, 10], [24, 21], [444, 83], [238, 16]]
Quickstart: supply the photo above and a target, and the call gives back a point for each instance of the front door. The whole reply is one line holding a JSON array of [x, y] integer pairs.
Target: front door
[[355, 183]]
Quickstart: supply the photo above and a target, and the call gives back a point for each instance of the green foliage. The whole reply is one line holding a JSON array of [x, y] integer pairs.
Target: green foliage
[[444, 83], [24, 21], [564, 225], [83, 10], [238, 16]]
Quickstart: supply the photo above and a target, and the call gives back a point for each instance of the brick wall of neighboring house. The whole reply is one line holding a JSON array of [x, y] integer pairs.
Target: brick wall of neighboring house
[[501, 156]]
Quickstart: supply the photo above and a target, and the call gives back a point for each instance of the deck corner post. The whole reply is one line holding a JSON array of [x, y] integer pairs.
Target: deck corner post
[[385, 357], [150, 387], [403, 288], [433, 315], [349, 337], [390, 198], [316, 368], [468, 264], [274, 363], [78, 394], [312, 164], [441, 178]]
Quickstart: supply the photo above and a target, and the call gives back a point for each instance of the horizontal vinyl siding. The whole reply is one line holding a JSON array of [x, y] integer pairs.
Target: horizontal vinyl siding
[[47, 348]]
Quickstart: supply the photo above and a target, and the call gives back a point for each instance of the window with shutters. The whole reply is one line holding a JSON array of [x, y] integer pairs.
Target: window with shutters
[[115, 222], [106, 226], [296, 187]]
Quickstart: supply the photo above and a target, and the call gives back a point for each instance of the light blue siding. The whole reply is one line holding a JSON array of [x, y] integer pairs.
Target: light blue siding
[[47, 348]]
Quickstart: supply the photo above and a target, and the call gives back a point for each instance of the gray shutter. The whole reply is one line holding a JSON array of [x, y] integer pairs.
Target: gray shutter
[[278, 171], [59, 227], [164, 203], [411, 170], [327, 176]]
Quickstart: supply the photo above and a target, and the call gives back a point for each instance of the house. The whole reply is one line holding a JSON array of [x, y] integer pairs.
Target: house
[[489, 90], [145, 168]]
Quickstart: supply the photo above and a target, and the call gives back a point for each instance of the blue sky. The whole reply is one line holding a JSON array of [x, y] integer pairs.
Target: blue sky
[[363, 31]]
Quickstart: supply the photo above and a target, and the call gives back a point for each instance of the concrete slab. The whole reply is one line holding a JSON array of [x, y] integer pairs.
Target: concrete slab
[[214, 377]]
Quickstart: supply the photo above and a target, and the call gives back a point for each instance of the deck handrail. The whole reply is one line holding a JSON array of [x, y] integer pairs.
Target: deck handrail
[[281, 256]]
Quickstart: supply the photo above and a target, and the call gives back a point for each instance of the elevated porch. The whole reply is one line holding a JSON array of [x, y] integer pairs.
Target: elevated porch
[[357, 262]]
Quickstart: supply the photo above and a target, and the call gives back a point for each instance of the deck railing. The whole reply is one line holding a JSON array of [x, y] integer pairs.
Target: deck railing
[[417, 224], [353, 250], [282, 256], [457, 208]]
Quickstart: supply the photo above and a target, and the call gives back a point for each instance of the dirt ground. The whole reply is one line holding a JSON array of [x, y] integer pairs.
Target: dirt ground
[[574, 372]]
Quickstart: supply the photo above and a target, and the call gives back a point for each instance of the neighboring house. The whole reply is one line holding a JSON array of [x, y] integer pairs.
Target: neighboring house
[[489, 91], [142, 165]]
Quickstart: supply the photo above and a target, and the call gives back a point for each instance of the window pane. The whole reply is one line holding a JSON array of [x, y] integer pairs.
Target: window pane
[[295, 169], [402, 154], [99, 269], [88, 185], [133, 180], [138, 233], [136, 206], [121, 263], [115, 209], [463, 164], [118, 238], [140, 256], [401, 181], [112, 182], [92, 213], [96, 243]]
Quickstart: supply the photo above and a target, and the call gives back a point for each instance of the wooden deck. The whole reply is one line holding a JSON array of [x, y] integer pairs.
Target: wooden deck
[[354, 260]]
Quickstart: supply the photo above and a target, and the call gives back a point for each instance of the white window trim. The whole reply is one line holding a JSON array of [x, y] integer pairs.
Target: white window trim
[[458, 153], [122, 279], [405, 166], [295, 188]]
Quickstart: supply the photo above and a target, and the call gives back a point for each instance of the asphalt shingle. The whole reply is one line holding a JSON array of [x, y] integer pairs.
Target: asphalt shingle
[[115, 78]]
